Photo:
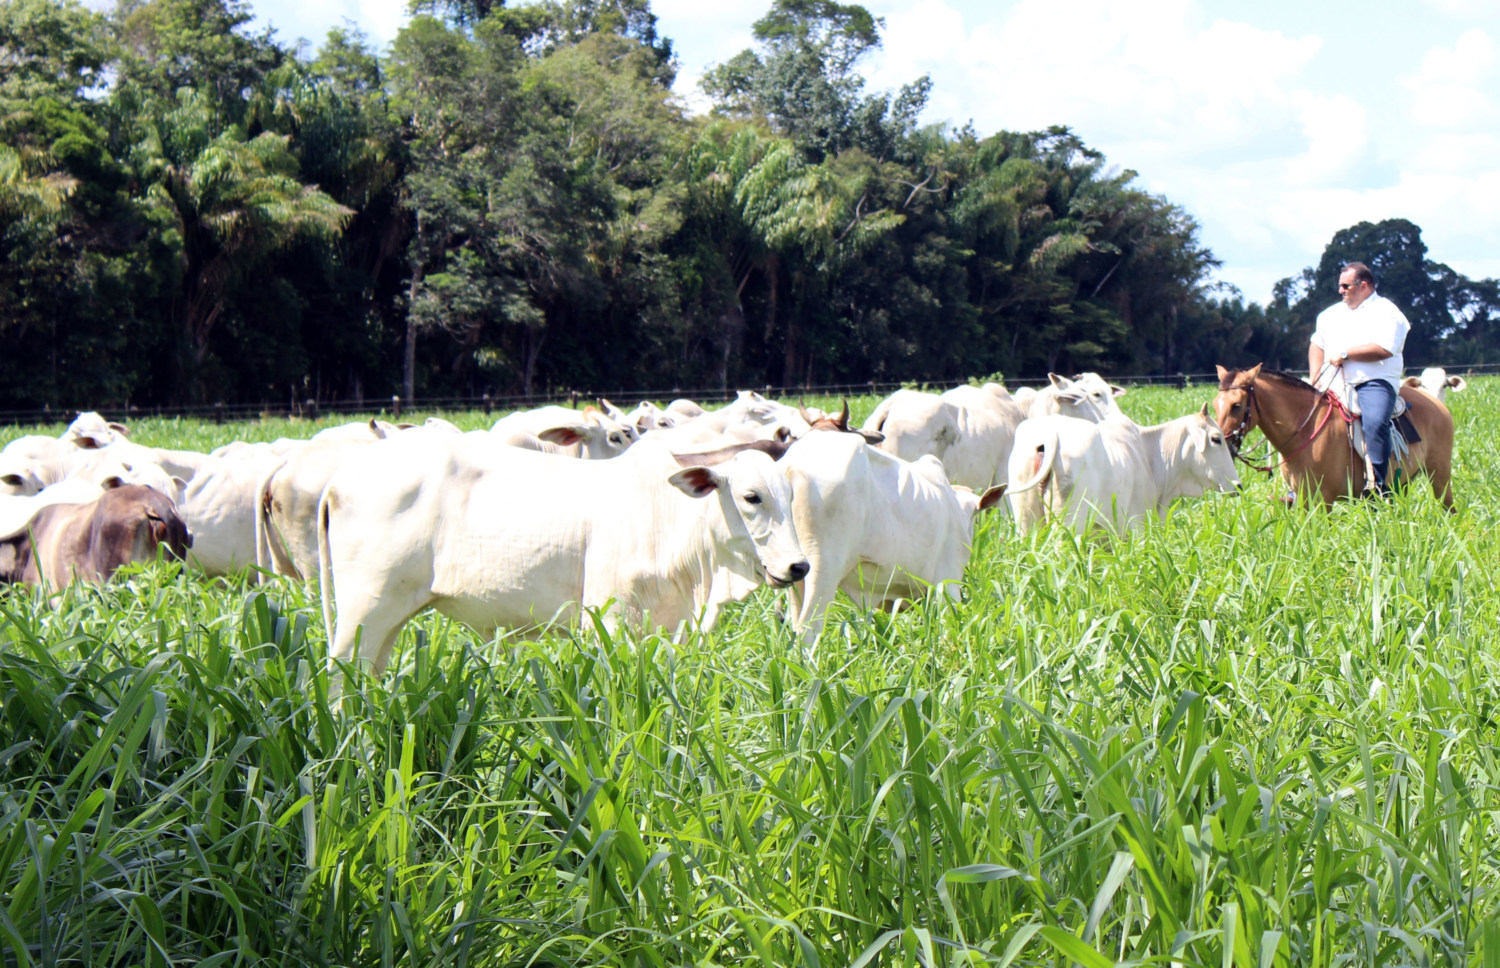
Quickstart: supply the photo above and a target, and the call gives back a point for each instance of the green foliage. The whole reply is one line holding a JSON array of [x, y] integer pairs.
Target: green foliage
[[508, 200], [1248, 736], [50, 49]]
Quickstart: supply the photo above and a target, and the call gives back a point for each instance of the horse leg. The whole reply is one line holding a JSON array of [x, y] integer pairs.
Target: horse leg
[[1442, 484]]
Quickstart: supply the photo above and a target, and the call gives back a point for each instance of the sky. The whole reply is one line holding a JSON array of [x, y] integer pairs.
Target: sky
[[1273, 124]]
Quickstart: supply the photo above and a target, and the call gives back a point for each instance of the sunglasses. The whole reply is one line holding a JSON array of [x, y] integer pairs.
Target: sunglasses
[[1348, 285]]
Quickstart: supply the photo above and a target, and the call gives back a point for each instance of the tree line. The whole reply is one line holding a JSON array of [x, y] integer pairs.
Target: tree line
[[509, 200]]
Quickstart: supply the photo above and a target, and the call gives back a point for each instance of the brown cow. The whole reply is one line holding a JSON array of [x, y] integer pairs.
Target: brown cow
[[92, 541]]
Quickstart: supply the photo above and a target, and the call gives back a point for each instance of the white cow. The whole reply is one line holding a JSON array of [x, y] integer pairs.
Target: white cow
[[286, 519], [1088, 396], [586, 433], [1115, 472], [970, 429], [83, 487], [363, 431], [748, 410], [503, 538], [875, 525], [1436, 381], [88, 431], [19, 478]]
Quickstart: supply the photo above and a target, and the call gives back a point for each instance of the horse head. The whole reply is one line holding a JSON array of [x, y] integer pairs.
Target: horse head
[[1234, 406]]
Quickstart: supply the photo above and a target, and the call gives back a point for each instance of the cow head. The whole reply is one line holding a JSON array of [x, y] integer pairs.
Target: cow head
[[1086, 396], [756, 501], [1205, 456], [839, 422], [20, 481], [89, 431], [598, 437]]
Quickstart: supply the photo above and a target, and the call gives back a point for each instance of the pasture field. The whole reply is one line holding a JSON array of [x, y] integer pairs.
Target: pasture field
[[1249, 736]]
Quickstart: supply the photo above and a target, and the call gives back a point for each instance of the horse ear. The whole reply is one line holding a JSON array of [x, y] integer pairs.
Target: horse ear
[[1254, 372], [1223, 373]]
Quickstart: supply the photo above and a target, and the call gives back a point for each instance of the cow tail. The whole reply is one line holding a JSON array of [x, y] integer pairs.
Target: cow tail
[[1043, 475], [263, 553], [268, 533], [325, 567]]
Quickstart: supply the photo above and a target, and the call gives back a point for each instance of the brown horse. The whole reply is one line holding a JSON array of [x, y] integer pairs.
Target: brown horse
[[1308, 429]]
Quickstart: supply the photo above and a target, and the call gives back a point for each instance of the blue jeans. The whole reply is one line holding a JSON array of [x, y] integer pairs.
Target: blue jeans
[[1377, 399]]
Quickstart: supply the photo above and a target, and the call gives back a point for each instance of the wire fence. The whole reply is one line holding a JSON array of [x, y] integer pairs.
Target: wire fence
[[395, 406]]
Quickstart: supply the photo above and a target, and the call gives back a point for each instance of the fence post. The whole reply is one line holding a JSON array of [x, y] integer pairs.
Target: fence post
[[396, 406], [219, 412], [573, 399], [487, 404], [312, 408]]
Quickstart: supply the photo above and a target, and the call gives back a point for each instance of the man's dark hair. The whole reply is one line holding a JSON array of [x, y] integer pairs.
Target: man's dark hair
[[1362, 272]]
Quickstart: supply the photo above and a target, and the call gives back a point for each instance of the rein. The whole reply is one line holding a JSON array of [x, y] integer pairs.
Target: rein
[[1236, 439]]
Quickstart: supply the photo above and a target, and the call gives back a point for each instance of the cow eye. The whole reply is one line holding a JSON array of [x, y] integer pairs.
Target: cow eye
[[1217, 439], [752, 498]]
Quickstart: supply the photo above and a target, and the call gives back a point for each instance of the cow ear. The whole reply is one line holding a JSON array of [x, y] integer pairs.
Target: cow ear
[[1457, 382], [1414, 382], [1117, 390], [13, 480], [783, 434], [119, 428], [1059, 381], [88, 442], [696, 481], [563, 436], [1206, 414], [1199, 432], [991, 497], [871, 436], [112, 481], [180, 486]]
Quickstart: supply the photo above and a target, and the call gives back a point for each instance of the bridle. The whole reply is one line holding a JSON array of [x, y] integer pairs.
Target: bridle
[[1236, 438]]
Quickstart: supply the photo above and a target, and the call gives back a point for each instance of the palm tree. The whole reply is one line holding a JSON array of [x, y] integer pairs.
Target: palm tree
[[228, 207]]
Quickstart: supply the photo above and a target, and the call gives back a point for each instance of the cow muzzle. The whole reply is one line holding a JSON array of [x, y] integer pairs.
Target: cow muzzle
[[795, 572]]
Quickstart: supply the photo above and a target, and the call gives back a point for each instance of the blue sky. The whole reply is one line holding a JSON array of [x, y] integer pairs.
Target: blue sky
[[1274, 124]]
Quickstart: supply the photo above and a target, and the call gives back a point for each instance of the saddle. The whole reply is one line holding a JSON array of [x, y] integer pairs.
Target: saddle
[[1403, 431]]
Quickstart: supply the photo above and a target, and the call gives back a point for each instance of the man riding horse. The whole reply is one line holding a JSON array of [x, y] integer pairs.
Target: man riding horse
[[1362, 336]]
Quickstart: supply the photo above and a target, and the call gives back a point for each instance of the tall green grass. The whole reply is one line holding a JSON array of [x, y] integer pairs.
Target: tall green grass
[[1246, 736]]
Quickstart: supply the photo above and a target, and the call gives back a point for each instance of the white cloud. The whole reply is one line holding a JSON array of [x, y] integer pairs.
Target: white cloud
[[1446, 91]]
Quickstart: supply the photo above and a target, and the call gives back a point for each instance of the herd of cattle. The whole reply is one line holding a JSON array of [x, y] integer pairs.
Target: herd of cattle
[[658, 516]]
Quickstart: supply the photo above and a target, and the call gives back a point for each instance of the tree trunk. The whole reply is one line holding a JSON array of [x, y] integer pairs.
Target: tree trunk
[[409, 364]]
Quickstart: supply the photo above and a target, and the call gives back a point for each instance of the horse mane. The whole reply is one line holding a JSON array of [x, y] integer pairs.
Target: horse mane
[[1275, 376]]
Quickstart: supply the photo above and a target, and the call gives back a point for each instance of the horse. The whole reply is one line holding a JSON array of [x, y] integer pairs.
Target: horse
[[1310, 429]]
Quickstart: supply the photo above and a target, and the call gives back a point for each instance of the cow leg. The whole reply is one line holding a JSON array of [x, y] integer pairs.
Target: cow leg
[[372, 622], [819, 589]]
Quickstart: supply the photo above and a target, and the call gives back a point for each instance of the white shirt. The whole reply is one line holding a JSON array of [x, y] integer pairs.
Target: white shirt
[[1378, 321]]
